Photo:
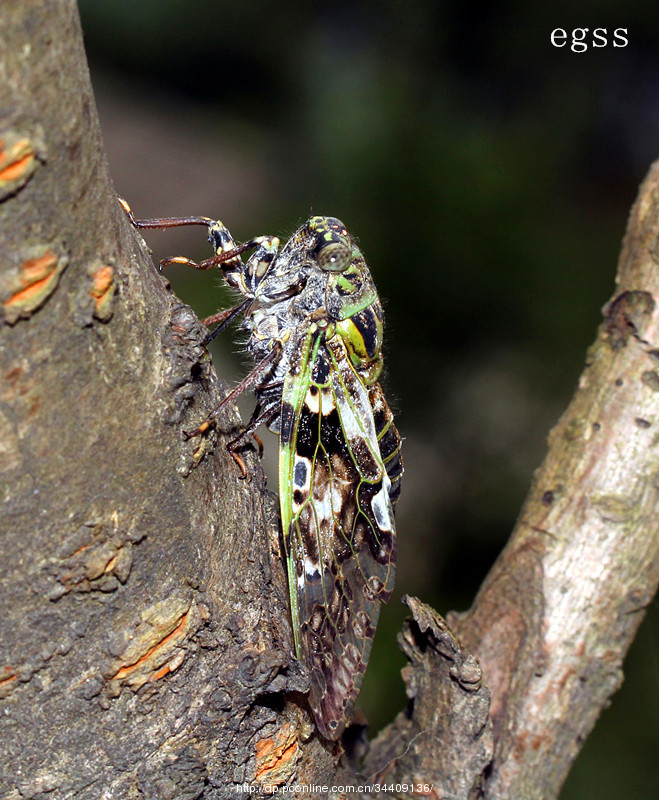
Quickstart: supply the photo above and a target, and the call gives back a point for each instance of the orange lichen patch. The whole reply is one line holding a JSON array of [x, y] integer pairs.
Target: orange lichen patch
[[176, 636], [18, 168], [102, 290], [7, 675], [32, 284], [17, 164], [155, 649], [170, 666], [276, 758], [35, 272], [8, 680]]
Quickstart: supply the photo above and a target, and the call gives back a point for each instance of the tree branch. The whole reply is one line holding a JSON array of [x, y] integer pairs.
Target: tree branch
[[555, 617]]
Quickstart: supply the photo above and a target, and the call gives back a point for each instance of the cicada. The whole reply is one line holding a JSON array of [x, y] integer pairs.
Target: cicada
[[314, 323]]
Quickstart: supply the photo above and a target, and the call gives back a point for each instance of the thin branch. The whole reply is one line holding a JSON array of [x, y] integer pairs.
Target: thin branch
[[555, 617], [553, 620]]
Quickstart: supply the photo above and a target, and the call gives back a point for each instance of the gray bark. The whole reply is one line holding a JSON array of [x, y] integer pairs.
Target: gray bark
[[141, 624]]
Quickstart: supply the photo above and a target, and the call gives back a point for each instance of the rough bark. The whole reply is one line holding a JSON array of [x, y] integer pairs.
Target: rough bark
[[554, 619], [142, 631], [144, 638]]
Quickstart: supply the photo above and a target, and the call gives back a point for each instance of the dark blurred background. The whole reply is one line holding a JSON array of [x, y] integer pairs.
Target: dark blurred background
[[488, 176]]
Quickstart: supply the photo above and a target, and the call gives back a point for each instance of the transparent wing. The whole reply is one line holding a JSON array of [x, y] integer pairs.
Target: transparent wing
[[338, 524]]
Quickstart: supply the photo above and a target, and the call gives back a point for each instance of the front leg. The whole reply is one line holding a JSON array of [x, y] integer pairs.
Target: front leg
[[227, 252]]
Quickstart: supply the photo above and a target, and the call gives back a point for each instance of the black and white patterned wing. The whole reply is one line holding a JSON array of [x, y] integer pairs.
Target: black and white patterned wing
[[338, 522]]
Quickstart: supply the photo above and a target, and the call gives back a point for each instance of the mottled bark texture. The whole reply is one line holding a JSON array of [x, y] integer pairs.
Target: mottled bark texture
[[143, 633], [145, 648], [555, 617]]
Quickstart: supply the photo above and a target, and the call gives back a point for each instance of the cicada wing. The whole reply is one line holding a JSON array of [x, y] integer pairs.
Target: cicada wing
[[339, 527]]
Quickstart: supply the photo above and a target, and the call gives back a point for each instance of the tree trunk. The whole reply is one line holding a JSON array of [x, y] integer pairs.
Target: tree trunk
[[144, 638], [145, 645]]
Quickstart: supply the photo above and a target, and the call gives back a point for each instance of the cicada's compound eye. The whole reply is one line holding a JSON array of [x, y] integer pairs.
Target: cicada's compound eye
[[334, 257]]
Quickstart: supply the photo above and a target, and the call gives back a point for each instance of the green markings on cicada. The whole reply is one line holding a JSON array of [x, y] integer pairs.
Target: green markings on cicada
[[362, 336]]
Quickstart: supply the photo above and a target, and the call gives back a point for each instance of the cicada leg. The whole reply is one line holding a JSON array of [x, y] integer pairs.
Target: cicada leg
[[226, 250], [244, 277], [223, 319], [259, 417], [161, 222], [249, 382]]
